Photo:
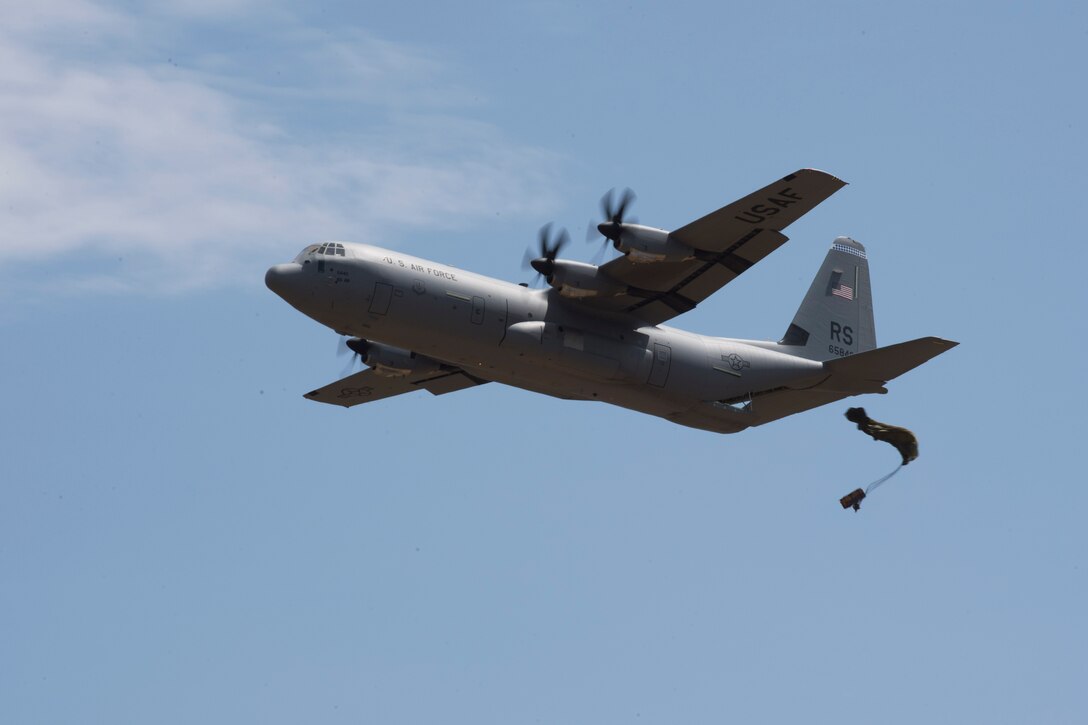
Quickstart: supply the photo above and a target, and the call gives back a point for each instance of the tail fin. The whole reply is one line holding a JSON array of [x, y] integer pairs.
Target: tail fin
[[836, 317]]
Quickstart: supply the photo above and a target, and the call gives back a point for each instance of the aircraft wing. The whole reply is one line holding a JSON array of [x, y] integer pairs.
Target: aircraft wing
[[368, 386], [731, 240]]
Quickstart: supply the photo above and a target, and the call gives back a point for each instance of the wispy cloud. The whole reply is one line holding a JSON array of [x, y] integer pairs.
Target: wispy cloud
[[112, 148]]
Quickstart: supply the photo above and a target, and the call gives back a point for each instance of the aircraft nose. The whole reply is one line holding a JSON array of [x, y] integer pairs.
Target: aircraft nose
[[281, 278]]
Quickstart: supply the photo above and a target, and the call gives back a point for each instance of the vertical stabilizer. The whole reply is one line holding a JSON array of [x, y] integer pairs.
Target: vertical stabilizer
[[836, 317]]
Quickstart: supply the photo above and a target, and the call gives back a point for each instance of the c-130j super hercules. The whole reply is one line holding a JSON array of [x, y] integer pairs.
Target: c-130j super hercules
[[596, 333]]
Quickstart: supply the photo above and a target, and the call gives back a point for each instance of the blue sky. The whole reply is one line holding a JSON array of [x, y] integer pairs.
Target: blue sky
[[183, 537]]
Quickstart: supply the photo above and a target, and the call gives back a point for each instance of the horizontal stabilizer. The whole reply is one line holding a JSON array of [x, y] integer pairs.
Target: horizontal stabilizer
[[867, 372]]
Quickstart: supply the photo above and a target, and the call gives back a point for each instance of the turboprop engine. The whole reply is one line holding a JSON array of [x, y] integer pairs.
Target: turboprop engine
[[572, 279], [641, 244], [645, 244], [389, 361], [579, 279]]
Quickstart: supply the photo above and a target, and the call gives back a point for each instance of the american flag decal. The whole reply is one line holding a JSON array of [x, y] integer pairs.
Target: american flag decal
[[847, 293]]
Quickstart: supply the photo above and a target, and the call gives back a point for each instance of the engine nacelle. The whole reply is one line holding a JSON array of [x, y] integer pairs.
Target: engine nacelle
[[392, 362], [647, 244], [578, 279]]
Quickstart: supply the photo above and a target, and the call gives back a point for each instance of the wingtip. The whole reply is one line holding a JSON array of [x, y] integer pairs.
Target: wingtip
[[941, 342], [817, 172]]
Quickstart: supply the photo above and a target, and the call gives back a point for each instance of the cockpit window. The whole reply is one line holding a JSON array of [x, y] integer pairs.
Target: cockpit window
[[301, 258], [331, 248]]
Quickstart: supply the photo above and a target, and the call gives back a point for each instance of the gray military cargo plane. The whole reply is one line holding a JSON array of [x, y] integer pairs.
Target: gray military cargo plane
[[596, 332]]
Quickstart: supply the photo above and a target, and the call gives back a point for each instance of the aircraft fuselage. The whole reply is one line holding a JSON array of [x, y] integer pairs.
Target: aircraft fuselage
[[536, 339]]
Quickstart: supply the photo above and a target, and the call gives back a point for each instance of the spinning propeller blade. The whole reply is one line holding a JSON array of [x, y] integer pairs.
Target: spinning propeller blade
[[356, 347], [614, 209], [550, 246]]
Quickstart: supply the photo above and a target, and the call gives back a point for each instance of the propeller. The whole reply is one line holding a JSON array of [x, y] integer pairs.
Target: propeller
[[550, 245], [614, 208], [357, 347]]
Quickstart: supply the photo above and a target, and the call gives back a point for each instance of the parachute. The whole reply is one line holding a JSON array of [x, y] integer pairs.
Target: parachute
[[902, 439]]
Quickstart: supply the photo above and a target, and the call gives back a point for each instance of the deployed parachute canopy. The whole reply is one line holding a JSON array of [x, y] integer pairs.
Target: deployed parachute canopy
[[903, 440]]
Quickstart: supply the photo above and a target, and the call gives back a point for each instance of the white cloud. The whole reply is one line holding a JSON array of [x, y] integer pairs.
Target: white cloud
[[205, 9], [45, 17], [177, 170]]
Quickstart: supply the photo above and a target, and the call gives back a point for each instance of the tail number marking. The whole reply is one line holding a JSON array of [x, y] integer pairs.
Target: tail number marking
[[843, 334]]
